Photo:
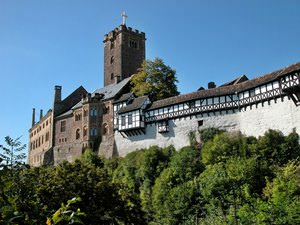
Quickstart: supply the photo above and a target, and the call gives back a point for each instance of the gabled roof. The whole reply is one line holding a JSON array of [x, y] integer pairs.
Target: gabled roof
[[69, 101], [238, 80], [137, 103], [124, 97], [109, 92], [229, 89]]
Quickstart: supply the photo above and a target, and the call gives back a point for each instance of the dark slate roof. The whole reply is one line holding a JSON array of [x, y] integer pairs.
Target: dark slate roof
[[109, 91], [66, 104], [136, 104], [224, 90], [124, 97], [66, 114]]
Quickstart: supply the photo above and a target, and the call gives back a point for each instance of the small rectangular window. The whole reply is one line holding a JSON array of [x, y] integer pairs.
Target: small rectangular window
[[200, 123], [163, 126], [63, 126], [123, 120], [130, 119], [47, 136], [133, 44], [192, 104]]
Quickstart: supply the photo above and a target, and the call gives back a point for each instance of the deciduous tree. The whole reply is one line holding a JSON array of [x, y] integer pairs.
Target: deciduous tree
[[155, 79]]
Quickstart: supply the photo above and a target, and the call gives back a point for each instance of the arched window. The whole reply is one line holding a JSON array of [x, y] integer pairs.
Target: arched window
[[85, 112], [77, 134], [84, 131], [105, 129], [93, 132], [106, 109], [112, 59]]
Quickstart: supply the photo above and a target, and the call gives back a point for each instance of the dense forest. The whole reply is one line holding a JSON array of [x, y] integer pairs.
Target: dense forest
[[228, 178]]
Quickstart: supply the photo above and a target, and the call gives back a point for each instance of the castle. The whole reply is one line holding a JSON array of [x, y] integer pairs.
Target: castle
[[114, 122]]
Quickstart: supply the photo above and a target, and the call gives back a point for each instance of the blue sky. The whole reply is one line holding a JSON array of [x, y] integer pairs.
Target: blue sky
[[59, 42]]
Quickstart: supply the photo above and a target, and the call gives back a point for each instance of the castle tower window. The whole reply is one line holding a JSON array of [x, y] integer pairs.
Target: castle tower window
[[93, 132], [94, 112], [77, 134], [133, 44], [112, 76], [112, 45], [84, 131], [63, 126], [112, 59], [105, 129]]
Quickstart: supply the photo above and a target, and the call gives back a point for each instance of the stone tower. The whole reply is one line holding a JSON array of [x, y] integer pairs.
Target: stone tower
[[124, 52]]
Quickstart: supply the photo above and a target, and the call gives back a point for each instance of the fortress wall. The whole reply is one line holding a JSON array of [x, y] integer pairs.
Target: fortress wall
[[68, 152], [283, 116], [178, 132]]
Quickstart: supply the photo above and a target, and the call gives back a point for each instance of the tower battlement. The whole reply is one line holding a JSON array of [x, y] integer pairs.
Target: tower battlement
[[114, 33], [124, 52]]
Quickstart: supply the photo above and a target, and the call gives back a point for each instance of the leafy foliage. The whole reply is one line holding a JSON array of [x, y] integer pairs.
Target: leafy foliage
[[12, 154], [232, 179], [66, 215], [155, 79]]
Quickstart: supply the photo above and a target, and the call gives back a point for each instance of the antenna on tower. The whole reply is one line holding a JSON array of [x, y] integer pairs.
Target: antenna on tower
[[124, 16]]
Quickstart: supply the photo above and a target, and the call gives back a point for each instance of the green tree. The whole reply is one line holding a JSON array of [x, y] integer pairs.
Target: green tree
[[280, 203], [155, 79], [277, 149], [226, 186], [12, 155], [66, 214], [176, 196], [226, 145], [136, 175]]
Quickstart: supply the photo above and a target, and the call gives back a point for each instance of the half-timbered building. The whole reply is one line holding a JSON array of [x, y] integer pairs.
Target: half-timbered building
[[250, 106]]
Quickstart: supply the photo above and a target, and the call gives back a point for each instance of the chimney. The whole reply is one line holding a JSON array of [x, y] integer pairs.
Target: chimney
[[211, 85], [41, 114], [57, 94], [33, 117]]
